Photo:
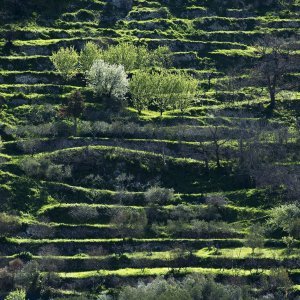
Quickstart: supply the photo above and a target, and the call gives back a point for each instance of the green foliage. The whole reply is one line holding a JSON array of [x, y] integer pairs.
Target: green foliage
[[16, 295], [141, 89], [28, 275], [191, 288], [1, 144], [65, 61], [164, 89], [287, 218], [40, 168], [255, 238], [88, 55], [22, 194], [124, 54], [137, 57], [159, 196]]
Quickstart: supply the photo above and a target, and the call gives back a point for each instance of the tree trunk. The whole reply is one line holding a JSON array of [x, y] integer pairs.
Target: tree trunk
[[272, 99], [241, 154], [218, 157], [206, 165], [75, 126]]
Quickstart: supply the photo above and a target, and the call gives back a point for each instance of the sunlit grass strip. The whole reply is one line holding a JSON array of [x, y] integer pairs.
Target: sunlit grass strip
[[231, 253], [160, 271]]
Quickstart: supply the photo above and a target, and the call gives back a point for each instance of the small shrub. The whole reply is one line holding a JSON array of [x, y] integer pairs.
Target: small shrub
[[216, 200], [255, 238], [16, 295], [8, 224], [84, 214], [159, 196], [24, 256]]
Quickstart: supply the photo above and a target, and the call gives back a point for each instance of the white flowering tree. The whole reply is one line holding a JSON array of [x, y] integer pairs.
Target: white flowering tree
[[108, 80]]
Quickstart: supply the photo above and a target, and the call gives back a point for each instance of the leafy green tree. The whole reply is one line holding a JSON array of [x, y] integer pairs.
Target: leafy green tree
[[124, 54], [173, 90], [108, 80], [289, 242], [141, 89], [287, 218], [255, 238], [74, 108], [161, 57], [186, 89], [65, 61], [134, 57], [88, 55], [164, 90], [16, 295]]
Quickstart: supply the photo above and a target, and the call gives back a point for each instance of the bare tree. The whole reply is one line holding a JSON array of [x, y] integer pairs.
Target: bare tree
[[275, 62]]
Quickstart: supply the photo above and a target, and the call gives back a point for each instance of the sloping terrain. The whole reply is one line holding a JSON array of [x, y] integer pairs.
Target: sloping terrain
[[75, 214]]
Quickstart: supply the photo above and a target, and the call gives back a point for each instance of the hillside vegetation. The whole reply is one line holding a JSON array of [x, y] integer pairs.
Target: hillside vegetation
[[149, 149]]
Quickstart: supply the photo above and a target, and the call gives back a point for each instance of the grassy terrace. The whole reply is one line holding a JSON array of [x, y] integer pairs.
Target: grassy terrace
[[82, 197]]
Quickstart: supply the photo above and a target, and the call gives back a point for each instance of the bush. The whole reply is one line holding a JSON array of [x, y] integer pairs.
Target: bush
[[84, 214], [130, 221], [45, 168], [24, 256], [28, 275], [8, 224], [192, 287], [16, 295], [159, 196], [216, 200]]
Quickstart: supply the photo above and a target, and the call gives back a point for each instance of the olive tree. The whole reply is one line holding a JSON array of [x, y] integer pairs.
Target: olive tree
[[255, 238], [65, 61], [287, 218], [108, 80]]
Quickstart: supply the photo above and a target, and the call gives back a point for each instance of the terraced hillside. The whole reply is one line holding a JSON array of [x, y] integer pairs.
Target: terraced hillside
[[130, 196]]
